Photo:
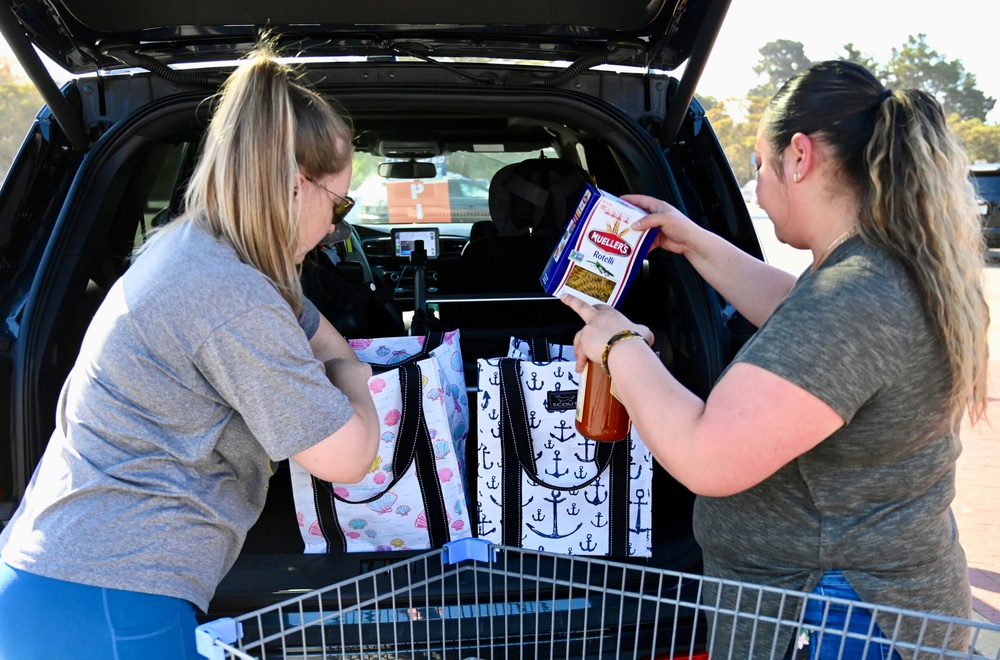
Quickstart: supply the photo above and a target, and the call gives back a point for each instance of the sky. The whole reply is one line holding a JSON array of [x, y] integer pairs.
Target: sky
[[965, 30]]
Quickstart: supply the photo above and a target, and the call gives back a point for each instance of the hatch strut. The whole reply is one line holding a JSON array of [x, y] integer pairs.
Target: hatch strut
[[700, 50], [39, 75]]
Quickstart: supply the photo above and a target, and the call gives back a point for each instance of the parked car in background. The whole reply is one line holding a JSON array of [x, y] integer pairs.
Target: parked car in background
[[986, 178], [479, 85]]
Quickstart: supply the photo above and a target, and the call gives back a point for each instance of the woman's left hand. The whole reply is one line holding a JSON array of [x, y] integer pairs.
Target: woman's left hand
[[602, 323]]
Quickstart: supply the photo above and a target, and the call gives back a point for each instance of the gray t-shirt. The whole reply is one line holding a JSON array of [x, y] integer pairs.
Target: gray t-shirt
[[873, 499], [193, 376]]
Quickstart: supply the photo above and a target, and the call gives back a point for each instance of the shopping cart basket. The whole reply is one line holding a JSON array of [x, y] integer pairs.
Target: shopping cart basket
[[472, 599]]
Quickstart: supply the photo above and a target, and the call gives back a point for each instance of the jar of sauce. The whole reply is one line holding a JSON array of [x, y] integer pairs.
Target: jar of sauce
[[599, 414]]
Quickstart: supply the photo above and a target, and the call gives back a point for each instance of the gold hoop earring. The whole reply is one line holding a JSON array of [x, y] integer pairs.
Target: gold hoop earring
[[796, 177]]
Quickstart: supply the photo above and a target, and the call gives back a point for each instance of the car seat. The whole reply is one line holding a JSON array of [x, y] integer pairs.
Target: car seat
[[530, 203], [493, 290]]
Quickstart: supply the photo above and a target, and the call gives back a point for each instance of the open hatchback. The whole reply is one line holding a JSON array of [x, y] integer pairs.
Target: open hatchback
[[443, 96]]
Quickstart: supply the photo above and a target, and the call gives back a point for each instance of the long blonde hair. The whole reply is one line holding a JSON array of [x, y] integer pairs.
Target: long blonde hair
[[922, 207], [916, 201], [264, 128]]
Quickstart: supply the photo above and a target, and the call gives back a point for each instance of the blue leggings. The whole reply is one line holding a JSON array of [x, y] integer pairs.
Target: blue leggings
[[43, 618], [834, 585]]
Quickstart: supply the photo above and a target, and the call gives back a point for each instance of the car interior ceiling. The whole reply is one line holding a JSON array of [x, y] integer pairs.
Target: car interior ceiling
[[666, 296]]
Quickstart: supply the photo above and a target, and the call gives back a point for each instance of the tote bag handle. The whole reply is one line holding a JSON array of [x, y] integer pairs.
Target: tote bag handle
[[432, 340], [413, 444], [514, 425], [412, 427]]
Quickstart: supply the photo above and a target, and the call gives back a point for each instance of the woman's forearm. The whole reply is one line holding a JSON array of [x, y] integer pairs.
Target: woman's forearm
[[750, 285]]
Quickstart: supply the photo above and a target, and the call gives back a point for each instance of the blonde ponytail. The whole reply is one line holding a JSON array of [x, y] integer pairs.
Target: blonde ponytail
[[265, 127]]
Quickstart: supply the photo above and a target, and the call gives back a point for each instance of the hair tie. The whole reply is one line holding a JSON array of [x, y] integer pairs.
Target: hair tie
[[886, 93]]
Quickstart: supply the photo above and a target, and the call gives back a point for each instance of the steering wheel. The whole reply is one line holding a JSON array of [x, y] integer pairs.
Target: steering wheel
[[351, 251]]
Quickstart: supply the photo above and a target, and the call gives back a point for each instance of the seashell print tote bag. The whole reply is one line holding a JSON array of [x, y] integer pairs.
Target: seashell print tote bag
[[414, 495], [446, 349]]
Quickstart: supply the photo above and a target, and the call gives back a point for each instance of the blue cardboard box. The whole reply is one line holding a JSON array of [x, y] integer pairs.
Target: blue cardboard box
[[599, 254]]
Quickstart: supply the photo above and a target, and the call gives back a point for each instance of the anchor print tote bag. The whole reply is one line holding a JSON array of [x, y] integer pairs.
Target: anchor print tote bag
[[414, 496], [543, 485]]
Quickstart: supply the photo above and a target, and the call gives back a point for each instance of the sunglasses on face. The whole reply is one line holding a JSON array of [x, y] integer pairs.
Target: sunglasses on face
[[342, 207]]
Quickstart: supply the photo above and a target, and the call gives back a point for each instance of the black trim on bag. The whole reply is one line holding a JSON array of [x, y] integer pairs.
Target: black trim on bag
[[414, 444], [515, 443], [619, 508], [435, 508], [539, 349], [326, 516], [518, 430], [433, 340], [510, 486]]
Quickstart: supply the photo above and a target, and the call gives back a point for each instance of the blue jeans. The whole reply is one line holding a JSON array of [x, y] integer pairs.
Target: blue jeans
[[834, 585], [43, 618]]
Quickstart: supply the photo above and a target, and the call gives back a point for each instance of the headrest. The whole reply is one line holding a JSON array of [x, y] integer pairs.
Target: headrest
[[536, 196]]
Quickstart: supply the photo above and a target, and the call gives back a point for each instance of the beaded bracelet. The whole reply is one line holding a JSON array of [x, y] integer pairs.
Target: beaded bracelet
[[624, 334]]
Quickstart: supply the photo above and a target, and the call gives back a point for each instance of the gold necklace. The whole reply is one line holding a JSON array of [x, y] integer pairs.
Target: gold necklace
[[833, 246]]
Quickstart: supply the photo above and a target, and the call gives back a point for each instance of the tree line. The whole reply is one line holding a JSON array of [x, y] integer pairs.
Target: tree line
[[19, 103], [913, 65]]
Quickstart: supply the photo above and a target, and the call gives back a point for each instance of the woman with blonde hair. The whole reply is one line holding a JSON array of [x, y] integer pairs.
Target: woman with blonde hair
[[824, 457], [203, 364]]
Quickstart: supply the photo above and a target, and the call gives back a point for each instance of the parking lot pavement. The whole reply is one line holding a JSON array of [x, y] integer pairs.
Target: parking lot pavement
[[977, 508], [977, 498]]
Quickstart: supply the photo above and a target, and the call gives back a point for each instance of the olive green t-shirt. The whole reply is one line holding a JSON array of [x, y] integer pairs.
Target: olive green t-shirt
[[873, 499]]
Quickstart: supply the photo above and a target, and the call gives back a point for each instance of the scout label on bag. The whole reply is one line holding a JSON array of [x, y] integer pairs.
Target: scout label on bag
[[599, 253]]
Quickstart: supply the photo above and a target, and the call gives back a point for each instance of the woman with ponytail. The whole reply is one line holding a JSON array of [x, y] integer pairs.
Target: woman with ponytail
[[203, 366], [824, 457]]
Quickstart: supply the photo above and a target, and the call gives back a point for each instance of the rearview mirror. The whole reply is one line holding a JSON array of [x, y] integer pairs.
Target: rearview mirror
[[409, 169]]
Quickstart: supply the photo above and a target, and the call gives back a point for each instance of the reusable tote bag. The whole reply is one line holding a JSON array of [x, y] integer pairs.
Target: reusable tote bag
[[543, 485], [413, 498], [446, 349], [540, 349]]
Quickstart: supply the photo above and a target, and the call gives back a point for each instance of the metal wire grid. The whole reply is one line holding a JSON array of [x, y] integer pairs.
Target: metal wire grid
[[474, 600]]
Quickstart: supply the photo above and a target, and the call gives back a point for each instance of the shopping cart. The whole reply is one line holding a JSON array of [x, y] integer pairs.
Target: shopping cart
[[472, 600]]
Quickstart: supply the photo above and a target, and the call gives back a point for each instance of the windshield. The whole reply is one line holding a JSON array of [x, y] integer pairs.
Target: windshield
[[459, 193]]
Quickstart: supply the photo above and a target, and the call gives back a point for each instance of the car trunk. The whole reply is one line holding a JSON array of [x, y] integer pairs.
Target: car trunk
[[108, 161]]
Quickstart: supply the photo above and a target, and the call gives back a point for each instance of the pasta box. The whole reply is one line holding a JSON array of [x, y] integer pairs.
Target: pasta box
[[599, 254]]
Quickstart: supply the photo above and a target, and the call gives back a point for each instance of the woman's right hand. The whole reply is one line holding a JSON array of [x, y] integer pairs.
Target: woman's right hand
[[676, 229]]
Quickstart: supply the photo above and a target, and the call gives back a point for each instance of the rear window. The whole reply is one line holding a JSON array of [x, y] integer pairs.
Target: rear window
[[458, 194]]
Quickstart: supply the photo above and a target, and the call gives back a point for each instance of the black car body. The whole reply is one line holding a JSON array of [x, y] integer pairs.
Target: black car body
[[107, 158], [986, 178]]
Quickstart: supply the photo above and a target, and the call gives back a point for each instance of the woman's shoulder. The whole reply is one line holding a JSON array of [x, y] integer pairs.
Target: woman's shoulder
[[867, 271], [185, 249], [861, 288], [187, 269]]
